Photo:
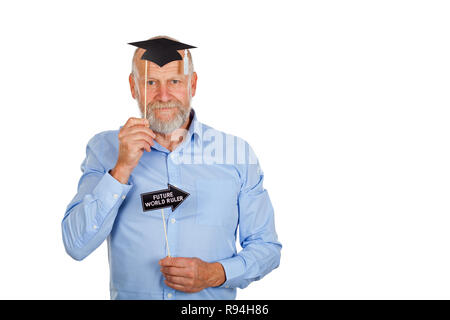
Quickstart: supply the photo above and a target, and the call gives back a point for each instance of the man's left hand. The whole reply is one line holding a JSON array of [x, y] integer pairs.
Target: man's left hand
[[191, 274]]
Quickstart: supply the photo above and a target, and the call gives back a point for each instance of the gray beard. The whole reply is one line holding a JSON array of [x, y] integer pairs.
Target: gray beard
[[166, 127]]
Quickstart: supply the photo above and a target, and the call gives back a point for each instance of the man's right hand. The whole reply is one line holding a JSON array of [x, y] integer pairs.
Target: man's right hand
[[134, 137]]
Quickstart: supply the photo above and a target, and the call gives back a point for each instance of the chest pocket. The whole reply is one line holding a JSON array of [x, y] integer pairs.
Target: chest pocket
[[217, 202]]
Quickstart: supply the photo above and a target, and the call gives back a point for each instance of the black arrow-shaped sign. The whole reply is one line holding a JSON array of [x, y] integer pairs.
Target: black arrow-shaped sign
[[171, 197]]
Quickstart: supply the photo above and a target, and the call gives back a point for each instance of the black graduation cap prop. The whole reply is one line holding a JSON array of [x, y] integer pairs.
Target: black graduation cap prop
[[161, 51]]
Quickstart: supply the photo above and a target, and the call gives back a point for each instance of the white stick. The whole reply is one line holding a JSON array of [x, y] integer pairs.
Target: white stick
[[145, 92], [165, 231]]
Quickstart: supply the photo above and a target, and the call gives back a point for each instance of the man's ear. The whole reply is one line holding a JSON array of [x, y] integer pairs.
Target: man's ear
[[193, 83], [132, 85]]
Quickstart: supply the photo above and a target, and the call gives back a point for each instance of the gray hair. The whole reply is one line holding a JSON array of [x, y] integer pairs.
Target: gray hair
[[135, 56]]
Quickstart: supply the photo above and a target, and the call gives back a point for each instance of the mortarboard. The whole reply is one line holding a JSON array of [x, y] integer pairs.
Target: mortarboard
[[161, 51]]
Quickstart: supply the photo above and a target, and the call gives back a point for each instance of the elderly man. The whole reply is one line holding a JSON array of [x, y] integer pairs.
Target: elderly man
[[168, 193]]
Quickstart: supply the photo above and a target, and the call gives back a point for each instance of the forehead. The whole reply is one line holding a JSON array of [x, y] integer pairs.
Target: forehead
[[171, 68]]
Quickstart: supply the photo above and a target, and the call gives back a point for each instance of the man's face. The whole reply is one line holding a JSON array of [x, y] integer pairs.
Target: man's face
[[167, 95]]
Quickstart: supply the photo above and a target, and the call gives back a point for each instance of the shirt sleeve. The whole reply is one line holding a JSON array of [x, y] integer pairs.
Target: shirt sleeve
[[261, 250], [89, 217]]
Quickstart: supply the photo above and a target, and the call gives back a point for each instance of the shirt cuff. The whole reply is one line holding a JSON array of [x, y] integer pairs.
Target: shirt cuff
[[234, 267], [110, 192]]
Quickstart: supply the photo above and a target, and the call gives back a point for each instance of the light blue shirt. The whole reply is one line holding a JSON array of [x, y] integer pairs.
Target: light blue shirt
[[225, 185]]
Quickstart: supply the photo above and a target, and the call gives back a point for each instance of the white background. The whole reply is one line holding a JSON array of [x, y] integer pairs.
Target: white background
[[346, 104]]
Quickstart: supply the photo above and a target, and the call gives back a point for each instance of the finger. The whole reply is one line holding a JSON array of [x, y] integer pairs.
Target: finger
[[179, 287], [176, 271], [185, 282], [153, 134], [175, 286], [142, 144], [138, 129], [136, 121], [138, 144], [175, 262], [140, 136]]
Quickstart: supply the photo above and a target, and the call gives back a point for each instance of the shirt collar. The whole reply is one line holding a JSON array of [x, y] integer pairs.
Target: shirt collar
[[195, 128]]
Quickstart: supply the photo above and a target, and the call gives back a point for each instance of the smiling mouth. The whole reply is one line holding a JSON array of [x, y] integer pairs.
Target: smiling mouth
[[163, 107]]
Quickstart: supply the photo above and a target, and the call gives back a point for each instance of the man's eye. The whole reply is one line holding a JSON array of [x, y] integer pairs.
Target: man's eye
[[150, 82], [175, 81]]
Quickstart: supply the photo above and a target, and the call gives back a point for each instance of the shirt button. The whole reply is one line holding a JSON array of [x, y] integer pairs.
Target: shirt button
[[123, 197], [115, 195], [173, 220], [169, 295]]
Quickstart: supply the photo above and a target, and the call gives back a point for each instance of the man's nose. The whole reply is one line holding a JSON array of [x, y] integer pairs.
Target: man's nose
[[163, 94]]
